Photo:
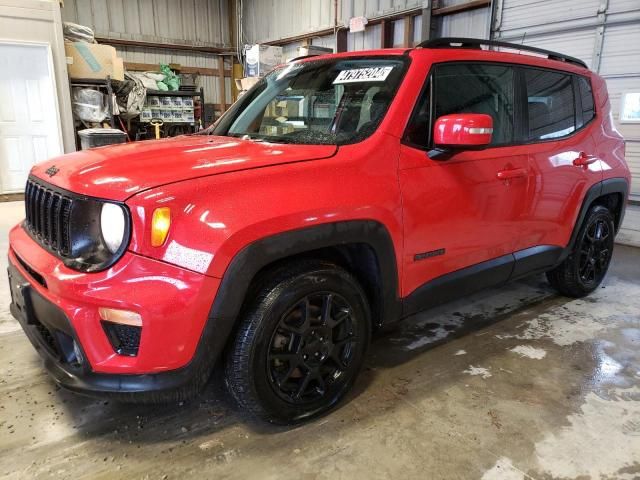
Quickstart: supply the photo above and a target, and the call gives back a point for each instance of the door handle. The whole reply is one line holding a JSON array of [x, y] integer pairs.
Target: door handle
[[512, 173], [583, 160]]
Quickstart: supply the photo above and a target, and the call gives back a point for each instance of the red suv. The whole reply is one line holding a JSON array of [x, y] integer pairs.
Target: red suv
[[339, 195]]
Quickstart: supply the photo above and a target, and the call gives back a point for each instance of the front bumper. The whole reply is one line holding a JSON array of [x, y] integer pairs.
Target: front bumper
[[57, 306]]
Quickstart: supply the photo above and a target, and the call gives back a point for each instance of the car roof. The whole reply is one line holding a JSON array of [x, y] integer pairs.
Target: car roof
[[470, 49]]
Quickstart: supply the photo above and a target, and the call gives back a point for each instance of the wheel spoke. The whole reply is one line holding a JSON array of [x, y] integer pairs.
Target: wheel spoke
[[336, 352], [322, 387], [342, 315], [598, 231], [327, 303], [283, 357], [281, 380], [304, 385], [306, 311]]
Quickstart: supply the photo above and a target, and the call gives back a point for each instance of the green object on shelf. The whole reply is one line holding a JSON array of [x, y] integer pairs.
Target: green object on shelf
[[162, 86], [171, 80]]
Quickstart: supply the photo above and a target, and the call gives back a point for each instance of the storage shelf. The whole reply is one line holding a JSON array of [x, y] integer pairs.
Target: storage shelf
[[176, 93]]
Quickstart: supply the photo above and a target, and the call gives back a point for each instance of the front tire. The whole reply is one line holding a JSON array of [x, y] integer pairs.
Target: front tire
[[300, 344], [587, 264]]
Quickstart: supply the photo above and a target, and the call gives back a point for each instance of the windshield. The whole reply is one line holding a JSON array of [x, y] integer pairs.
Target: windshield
[[335, 102]]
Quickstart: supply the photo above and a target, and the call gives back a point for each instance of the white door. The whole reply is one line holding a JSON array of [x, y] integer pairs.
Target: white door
[[29, 121]]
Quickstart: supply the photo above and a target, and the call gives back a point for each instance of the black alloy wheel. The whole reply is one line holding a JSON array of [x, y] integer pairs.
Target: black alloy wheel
[[311, 348], [301, 342], [595, 252], [587, 264]]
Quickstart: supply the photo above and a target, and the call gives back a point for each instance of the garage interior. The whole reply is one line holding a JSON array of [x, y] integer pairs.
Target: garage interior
[[510, 383]]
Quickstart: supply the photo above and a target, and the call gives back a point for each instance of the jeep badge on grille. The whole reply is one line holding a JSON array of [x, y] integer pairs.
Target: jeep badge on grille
[[52, 170]]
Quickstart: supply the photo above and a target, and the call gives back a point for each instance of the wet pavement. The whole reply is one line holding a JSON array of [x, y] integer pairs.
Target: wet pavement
[[507, 384]]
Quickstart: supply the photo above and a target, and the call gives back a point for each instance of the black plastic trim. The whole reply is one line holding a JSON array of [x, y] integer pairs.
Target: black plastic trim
[[605, 187], [491, 273], [458, 284], [257, 255], [535, 260]]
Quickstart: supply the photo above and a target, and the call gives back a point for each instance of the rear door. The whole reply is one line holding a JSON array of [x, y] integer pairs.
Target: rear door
[[559, 113], [456, 212]]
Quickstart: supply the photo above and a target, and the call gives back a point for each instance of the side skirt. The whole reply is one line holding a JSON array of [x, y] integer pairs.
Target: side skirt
[[491, 273]]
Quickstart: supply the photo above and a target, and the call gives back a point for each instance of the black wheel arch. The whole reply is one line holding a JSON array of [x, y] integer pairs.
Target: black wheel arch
[[349, 242], [611, 193]]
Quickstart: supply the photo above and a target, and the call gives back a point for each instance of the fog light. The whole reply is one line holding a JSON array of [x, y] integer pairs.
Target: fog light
[[122, 317]]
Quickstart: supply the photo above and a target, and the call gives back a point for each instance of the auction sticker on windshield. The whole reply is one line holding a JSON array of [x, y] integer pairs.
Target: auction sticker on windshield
[[372, 74]]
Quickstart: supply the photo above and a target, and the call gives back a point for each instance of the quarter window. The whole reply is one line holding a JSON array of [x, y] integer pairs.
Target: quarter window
[[551, 104], [417, 133], [588, 110]]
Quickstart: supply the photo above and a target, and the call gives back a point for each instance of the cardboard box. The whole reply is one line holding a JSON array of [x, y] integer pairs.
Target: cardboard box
[[244, 84], [261, 59], [313, 50], [90, 60]]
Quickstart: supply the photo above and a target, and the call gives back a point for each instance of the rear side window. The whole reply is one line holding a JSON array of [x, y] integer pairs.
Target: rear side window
[[551, 104], [588, 109], [477, 88]]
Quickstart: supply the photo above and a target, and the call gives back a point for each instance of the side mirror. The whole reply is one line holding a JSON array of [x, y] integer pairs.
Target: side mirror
[[463, 130]]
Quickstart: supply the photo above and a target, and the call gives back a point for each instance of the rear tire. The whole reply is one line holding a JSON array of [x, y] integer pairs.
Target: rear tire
[[300, 344], [587, 264]]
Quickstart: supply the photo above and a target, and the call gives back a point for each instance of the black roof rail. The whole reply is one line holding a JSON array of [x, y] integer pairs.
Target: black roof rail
[[303, 56], [477, 43]]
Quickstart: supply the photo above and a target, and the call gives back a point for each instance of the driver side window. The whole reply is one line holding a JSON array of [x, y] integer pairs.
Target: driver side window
[[466, 88]]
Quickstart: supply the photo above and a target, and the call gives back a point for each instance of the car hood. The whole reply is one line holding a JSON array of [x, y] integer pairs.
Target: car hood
[[117, 172]]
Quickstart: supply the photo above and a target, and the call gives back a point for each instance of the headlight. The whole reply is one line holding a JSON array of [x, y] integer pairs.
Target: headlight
[[99, 233], [112, 226]]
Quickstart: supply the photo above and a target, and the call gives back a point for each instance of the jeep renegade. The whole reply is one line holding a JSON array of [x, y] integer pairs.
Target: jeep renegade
[[340, 194]]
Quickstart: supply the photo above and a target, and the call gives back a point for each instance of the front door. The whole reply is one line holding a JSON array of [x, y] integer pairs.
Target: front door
[[457, 212], [29, 120]]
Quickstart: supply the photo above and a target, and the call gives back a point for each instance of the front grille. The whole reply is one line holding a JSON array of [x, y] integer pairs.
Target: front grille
[[47, 216]]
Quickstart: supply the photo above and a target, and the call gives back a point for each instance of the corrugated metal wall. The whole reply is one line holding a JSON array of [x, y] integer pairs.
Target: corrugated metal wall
[[185, 22], [273, 20], [578, 28], [194, 22], [472, 23], [265, 21]]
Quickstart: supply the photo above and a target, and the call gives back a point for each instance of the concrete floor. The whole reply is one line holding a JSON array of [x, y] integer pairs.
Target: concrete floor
[[508, 384]]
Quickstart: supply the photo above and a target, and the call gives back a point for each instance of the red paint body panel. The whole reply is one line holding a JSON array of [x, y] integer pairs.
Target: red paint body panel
[[220, 215], [225, 193], [171, 327], [120, 171]]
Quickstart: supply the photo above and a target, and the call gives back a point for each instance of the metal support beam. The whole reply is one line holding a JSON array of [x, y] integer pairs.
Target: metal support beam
[[409, 26], [386, 40], [221, 85], [426, 22], [600, 30], [341, 40], [165, 46]]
